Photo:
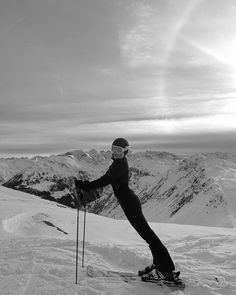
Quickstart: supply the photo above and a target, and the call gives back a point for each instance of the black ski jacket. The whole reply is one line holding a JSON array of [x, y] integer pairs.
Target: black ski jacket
[[117, 175]]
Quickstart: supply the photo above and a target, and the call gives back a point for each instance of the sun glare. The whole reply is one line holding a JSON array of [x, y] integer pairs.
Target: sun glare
[[222, 52], [227, 54]]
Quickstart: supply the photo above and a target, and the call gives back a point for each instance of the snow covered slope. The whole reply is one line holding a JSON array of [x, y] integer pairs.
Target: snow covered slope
[[37, 252]]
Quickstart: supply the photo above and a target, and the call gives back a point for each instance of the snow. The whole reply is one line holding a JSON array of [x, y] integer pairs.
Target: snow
[[37, 252], [195, 189], [228, 187]]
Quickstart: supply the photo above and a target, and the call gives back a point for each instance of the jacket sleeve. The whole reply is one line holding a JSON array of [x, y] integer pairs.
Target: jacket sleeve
[[114, 172], [100, 182]]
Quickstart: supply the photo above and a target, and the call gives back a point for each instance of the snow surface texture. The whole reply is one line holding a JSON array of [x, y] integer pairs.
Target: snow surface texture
[[37, 252]]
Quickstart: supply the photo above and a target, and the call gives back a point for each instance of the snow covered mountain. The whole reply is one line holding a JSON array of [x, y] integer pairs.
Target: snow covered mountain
[[11, 166], [198, 189], [37, 252], [49, 177]]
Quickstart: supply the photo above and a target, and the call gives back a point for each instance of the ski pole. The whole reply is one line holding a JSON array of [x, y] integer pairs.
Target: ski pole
[[84, 236], [77, 246], [77, 202]]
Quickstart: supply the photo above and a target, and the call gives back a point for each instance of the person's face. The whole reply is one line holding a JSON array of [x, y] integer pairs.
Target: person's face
[[117, 152], [117, 156]]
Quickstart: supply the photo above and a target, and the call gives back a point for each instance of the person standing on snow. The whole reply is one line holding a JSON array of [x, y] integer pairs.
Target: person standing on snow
[[118, 176]]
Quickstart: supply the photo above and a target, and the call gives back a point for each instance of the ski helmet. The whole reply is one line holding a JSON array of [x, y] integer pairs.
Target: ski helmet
[[121, 142], [119, 148]]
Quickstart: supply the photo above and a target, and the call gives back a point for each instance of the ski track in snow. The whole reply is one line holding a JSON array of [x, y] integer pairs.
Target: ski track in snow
[[44, 263], [47, 266]]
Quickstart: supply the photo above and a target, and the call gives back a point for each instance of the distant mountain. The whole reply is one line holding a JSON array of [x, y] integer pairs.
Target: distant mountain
[[11, 166], [198, 189], [49, 177]]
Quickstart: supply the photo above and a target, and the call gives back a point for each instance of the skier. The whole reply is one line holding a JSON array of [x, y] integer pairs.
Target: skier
[[118, 176]]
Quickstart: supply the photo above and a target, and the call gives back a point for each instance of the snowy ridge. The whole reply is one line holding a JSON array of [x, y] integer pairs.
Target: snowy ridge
[[198, 189], [38, 257], [12, 166], [189, 192]]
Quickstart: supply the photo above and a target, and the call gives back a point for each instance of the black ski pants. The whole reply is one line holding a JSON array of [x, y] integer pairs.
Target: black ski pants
[[133, 211]]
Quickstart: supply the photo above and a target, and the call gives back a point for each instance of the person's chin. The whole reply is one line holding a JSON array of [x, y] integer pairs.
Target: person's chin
[[117, 157]]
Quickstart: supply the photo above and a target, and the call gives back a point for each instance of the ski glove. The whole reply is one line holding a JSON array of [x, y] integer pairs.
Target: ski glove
[[84, 185], [87, 194]]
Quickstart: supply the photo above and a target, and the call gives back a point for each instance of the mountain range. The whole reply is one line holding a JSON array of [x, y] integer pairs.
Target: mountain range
[[197, 189]]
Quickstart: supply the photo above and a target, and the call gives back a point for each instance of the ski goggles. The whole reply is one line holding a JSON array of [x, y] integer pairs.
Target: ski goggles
[[118, 149]]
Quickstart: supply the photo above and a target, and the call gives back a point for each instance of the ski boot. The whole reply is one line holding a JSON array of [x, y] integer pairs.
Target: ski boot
[[146, 270], [153, 275]]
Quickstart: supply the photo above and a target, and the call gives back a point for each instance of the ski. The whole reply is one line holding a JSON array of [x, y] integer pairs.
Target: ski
[[129, 277], [95, 272]]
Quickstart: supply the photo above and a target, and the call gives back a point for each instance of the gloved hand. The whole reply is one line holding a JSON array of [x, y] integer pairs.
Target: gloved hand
[[84, 185], [88, 196], [86, 193]]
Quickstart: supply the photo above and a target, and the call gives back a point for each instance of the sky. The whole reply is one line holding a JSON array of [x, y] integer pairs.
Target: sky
[[77, 74]]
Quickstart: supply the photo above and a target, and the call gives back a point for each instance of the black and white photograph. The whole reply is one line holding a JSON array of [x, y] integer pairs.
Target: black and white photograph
[[117, 147]]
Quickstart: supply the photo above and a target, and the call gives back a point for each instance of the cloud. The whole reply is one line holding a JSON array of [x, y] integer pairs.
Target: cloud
[[217, 124], [150, 32], [76, 139], [136, 39], [188, 143], [173, 132], [149, 69]]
